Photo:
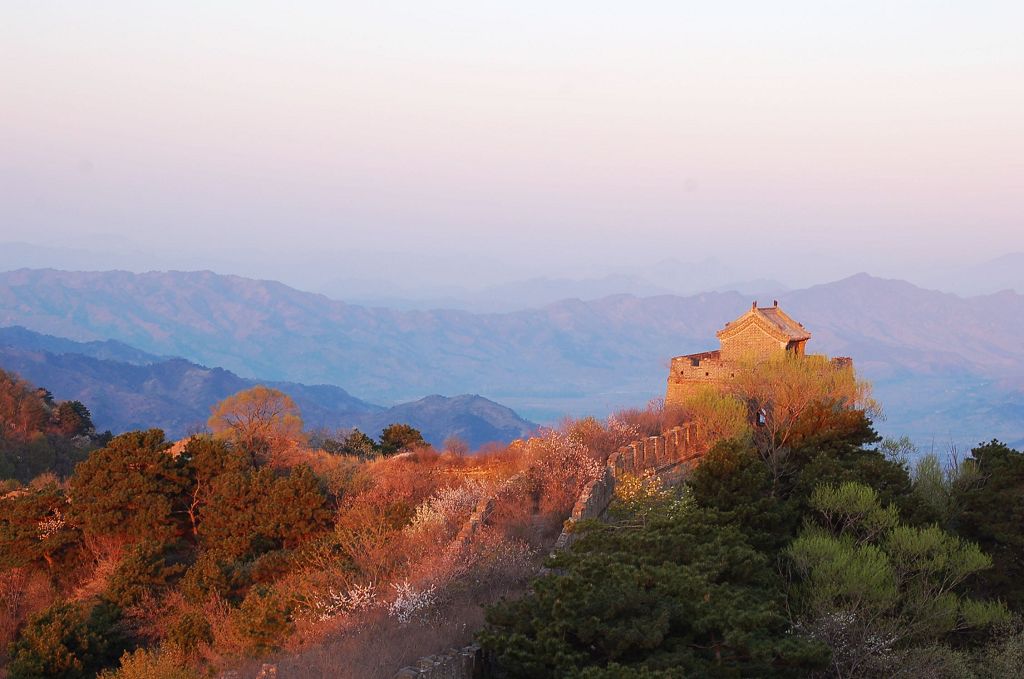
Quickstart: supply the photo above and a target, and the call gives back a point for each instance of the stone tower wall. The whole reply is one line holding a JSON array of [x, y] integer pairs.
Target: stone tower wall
[[688, 375], [753, 342]]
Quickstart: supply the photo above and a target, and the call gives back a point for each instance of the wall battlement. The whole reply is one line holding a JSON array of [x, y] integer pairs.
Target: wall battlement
[[668, 456]]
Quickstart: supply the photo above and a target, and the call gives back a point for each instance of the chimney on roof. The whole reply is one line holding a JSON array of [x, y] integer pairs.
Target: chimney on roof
[[776, 302]]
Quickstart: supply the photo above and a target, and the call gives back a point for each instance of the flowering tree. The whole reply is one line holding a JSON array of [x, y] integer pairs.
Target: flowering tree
[[447, 506], [411, 602], [560, 464]]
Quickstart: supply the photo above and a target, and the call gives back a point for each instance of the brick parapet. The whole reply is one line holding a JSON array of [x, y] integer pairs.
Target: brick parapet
[[668, 456], [456, 663]]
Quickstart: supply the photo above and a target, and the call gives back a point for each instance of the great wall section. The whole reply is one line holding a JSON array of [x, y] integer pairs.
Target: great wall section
[[761, 334], [668, 456]]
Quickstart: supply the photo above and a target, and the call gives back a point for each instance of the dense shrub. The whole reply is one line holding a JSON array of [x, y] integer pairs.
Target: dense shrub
[[131, 490], [681, 593], [34, 527], [147, 569], [66, 641], [991, 512], [168, 662], [189, 631], [264, 619], [214, 573]]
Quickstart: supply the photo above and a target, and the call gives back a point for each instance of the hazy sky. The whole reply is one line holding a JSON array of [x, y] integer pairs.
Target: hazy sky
[[871, 135]]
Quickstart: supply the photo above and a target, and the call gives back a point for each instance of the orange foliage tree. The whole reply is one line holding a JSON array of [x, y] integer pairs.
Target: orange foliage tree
[[719, 415], [779, 393], [260, 420], [22, 408]]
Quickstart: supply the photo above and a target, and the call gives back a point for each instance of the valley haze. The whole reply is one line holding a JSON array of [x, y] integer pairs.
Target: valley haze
[[948, 370]]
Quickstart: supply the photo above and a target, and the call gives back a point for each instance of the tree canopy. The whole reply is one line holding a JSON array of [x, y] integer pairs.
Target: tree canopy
[[129, 490], [39, 434], [259, 420], [396, 438], [680, 594]]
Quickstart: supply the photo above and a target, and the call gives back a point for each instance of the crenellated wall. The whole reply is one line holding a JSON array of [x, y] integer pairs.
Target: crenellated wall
[[668, 456], [691, 373], [456, 663]]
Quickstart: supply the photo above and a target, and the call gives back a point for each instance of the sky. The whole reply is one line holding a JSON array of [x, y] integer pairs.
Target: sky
[[484, 141]]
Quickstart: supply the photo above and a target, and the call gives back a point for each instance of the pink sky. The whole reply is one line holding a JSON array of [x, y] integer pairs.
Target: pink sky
[[871, 131]]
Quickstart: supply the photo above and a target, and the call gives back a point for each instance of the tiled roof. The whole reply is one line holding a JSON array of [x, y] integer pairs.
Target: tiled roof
[[774, 319], [783, 322]]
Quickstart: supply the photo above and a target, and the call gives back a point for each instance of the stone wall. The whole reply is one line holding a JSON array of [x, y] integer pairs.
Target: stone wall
[[687, 374], [668, 455], [481, 513], [690, 373], [752, 342], [457, 663]]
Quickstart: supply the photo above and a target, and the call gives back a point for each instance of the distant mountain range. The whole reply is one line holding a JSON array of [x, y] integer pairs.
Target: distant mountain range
[[946, 368], [442, 281], [481, 283], [502, 298], [126, 389], [674, 278]]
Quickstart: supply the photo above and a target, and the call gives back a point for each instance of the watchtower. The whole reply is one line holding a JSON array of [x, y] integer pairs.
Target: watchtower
[[761, 334]]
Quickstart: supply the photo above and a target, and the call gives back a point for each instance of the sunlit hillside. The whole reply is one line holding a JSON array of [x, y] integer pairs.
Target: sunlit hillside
[[761, 528], [263, 540]]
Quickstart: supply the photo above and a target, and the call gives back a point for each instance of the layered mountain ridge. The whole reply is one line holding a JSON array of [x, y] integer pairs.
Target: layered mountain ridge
[[945, 367], [176, 395]]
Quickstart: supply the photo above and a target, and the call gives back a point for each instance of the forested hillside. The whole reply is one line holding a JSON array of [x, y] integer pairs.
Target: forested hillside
[[799, 544], [39, 434], [260, 537]]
